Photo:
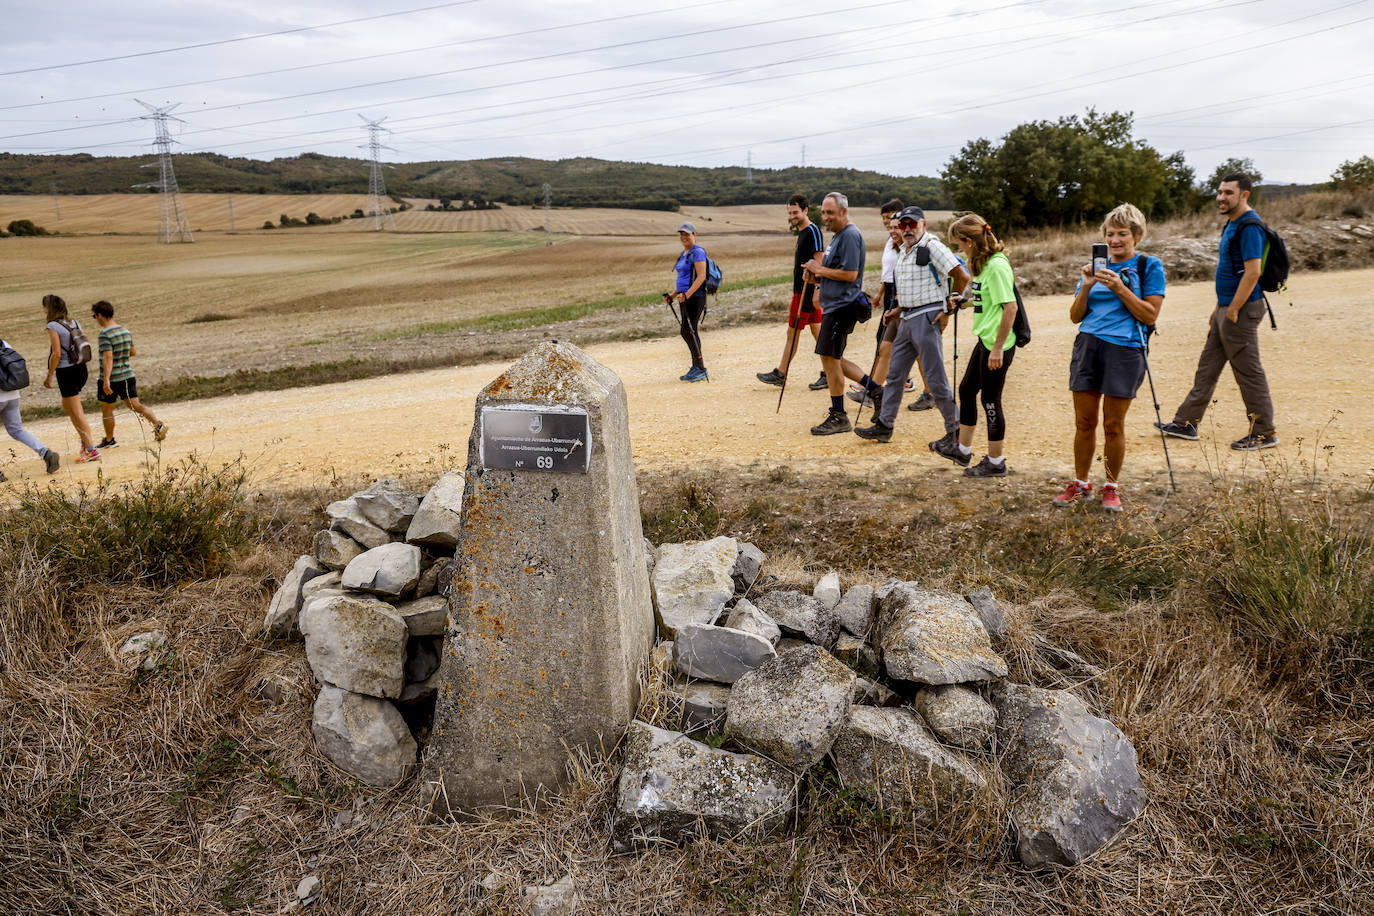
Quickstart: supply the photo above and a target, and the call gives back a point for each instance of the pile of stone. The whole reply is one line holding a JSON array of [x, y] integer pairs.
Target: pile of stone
[[371, 603], [897, 689]]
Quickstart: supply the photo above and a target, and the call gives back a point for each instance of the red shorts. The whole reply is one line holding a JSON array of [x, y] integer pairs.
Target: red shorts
[[810, 318]]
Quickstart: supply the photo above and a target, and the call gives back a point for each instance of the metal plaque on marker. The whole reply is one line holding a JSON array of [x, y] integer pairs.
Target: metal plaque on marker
[[535, 439]]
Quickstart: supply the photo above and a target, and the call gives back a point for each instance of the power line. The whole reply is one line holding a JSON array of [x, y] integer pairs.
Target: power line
[[229, 41]]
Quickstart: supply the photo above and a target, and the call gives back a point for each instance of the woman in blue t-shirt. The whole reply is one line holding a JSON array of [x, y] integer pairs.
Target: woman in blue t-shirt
[[1115, 310], [690, 292]]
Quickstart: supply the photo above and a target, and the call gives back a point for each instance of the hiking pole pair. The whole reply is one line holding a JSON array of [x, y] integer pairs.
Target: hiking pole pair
[[1163, 439], [793, 332]]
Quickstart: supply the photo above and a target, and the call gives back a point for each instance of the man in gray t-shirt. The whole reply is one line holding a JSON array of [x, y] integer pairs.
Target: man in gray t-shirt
[[840, 275]]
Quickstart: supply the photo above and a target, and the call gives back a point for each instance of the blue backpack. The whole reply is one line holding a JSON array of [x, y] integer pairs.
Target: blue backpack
[[713, 274]]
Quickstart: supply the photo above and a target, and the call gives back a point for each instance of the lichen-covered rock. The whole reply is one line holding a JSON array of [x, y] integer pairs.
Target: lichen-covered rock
[[888, 757], [356, 643], [346, 517], [388, 505], [827, 590], [335, 549], [934, 638], [747, 565], [990, 612], [425, 616], [1074, 774], [332, 580], [698, 706], [718, 654], [800, 615], [363, 736], [791, 707], [390, 571], [745, 616], [958, 715], [672, 788], [437, 521], [692, 582], [285, 608], [854, 613]]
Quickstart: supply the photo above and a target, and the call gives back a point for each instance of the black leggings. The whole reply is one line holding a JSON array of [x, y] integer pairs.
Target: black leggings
[[979, 378], [691, 312]]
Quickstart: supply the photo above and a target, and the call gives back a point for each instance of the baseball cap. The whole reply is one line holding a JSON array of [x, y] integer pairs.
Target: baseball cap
[[688, 227], [915, 213]]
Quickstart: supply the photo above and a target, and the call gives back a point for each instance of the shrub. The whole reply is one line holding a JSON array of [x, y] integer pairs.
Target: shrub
[[25, 227], [269, 225]]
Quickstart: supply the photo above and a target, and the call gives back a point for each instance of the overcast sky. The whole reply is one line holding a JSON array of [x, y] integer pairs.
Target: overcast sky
[[894, 86]]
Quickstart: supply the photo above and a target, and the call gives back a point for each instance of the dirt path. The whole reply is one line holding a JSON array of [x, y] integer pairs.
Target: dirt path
[[1319, 363]]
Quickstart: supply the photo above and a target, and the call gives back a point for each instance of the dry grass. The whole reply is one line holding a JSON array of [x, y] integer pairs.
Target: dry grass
[[185, 789]]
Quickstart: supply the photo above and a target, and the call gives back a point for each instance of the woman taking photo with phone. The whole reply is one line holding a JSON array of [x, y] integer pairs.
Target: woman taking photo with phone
[[1115, 308]]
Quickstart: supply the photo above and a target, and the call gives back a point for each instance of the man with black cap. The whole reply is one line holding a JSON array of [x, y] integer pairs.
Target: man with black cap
[[924, 268]]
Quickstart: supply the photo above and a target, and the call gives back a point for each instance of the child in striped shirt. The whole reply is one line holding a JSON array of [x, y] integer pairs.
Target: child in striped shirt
[[117, 376]]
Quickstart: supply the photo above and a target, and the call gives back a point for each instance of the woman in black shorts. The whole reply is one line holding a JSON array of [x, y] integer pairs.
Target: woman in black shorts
[[70, 372], [1113, 308]]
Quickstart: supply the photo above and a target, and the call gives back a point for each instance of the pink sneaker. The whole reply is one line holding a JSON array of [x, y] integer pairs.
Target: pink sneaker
[[1073, 493], [1111, 498], [88, 453]]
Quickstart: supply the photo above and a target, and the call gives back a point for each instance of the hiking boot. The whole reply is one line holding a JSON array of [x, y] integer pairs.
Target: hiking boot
[[1179, 430], [835, 422], [1254, 442], [819, 383], [947, 446], [696, 374], [877, 432], [771, 377], [924, 402], [875, 398], [89, 453], [1111, 498], [986, 468], [1076, 491], [159, 432], [107, 443], [51, 461]]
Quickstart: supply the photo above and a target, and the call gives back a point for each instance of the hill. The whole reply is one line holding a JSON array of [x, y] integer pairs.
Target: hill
[[581, 182]]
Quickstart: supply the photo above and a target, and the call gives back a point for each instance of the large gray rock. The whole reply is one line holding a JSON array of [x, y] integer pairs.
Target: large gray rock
[[692, 582], [285, 608], [391, 570], [718, 654], [388, 505], [551, 611], [673, 788], [934, 638], [1074, 774], [332, 580], [745, 616], [827, 590], [854, 613], [990, 612], [888, 757], [335, 549], [363, 736], [747, 566], [958, 715], [438, 521], [346, 517], [800, 615], [356, 643], [791, 707], [698, 706], [425, 616]]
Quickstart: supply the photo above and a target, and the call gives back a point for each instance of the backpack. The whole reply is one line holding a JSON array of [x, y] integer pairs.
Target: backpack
[[1142, 260], [1020, 324], [79, 350], [713, 275], [14, 372], [1274, 263]]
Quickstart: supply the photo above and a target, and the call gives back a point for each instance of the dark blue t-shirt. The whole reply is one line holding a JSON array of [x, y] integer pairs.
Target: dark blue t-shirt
[[1108, 318], [1231, 264], [685, 269], [846, 252]]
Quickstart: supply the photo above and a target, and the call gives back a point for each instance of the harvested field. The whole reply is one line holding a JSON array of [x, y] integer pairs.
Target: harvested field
[[137, 214]]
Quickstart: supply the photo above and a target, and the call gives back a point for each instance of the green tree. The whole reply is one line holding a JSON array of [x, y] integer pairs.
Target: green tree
[[1230, 167], [1354, 174]]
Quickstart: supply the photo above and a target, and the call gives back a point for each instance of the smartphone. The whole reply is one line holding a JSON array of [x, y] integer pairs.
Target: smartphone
[[1099, 258]]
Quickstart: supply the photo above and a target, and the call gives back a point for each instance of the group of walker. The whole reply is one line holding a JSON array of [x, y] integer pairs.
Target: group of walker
[[925, 285], [69, 352]]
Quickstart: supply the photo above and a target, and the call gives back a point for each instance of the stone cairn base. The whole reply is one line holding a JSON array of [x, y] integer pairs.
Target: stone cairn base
[[898, 690]]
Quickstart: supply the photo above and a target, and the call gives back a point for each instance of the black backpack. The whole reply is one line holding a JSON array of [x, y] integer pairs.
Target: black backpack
[[1274, 263], [1020, 323], [14, 372]]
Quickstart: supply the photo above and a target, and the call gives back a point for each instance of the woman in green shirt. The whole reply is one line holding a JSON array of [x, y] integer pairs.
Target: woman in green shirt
[[994, 309]]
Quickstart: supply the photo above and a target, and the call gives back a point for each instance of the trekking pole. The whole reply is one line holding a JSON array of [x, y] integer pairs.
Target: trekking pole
[[877, 355], [794, 332], [1163, 440]]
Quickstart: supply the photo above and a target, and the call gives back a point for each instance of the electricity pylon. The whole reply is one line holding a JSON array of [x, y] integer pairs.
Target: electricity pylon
[[548, 222], [378, 204], [172, 222]]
